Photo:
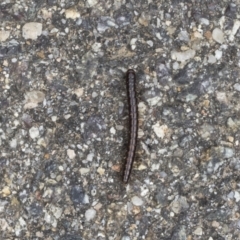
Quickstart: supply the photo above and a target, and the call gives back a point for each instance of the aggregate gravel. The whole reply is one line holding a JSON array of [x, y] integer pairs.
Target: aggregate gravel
[[64, 119]]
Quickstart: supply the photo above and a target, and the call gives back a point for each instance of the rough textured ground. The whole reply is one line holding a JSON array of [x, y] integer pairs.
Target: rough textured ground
[[64, 119]]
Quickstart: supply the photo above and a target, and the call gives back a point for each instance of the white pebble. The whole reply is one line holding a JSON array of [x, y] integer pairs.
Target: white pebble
[[112, 130], [96, 47], [237, 196], [175, 65], [78, 92], [222, 97], [72, 13], [13, 143], [198, 231], [90, 157], [218, 35], [71, 154], [237, 86], [133, 41], [211, 59], [234, 30], [57, 211], [204, 21], [90, 214], [137, 201], [91, 3], [32, 30], [42, 142], [183, 56], [228, 152], [84, 170], [190, 97], [4, 35], [218, 54], [150, 43], [33, 132], [33, 98], [153, 101], [94, 95], [160, 131]]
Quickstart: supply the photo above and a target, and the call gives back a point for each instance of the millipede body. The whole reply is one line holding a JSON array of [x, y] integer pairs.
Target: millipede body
[[133, 122]]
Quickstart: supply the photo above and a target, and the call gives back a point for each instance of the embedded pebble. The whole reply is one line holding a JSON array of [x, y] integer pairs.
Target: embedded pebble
[[33, 98], [72, 13], [179, 204], [101, 171], [42, 142], [57, 211], [183, 56], [232, 124], [4, 35], [71, 153], [90, 214], [235, 28], [224, 152], [144, 19], [84, 170], [204, 21], [222, 97], [198, 231], [190, 97], [79, 92], [32, 30], [153, 101], [90, 157], [160, 130], [137, 201], [105, 23], [78, 195], [13, 143], [211, 59], [237, 86], [237, 196], [218, 54], [34, 132], [5, 191], [218, 35], [91, 3], [183, 36]]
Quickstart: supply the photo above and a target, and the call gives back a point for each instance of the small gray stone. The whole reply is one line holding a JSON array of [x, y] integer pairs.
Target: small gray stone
[[77, 195], [183, 36], [179, 204]]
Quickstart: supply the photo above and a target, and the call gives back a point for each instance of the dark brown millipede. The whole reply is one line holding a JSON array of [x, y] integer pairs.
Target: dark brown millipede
[[133, 122]]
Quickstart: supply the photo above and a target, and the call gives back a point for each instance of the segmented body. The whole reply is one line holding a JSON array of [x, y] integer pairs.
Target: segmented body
[[133, 120]]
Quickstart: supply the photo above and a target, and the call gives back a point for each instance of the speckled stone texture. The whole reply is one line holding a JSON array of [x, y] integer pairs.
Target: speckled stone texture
[[64, 119]]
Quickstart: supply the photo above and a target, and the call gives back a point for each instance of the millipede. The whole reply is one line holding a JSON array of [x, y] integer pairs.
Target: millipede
[[133, 122]]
